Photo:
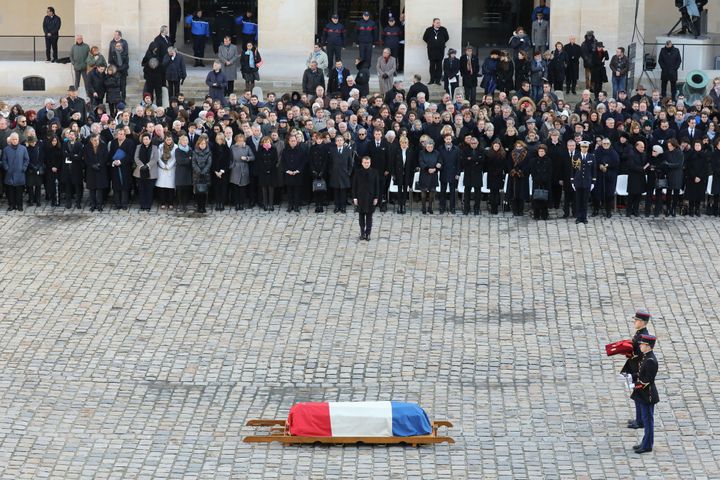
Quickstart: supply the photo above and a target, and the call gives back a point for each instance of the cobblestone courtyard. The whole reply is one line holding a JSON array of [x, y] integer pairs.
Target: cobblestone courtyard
[[137, 345]]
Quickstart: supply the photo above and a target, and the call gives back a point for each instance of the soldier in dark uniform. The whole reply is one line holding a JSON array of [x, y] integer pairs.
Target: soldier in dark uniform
[[583, 180], [645, 392], [631, 367], [367, 34], [334, 39], [392, 36]]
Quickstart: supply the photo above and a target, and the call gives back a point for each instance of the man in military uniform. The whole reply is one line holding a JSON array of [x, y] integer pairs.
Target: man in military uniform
[[392, 36], [367, 35], [583, 180], [632, 365], [645, 392], [334, 39]]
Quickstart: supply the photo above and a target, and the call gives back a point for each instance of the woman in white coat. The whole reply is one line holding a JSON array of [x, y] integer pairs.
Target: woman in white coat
[[166, 172]]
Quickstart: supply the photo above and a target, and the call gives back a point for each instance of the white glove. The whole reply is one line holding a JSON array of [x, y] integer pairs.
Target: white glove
[[591, 187]]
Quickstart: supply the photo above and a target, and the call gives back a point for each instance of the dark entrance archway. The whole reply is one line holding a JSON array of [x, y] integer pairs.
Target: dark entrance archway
[[490, 23], [350, 12], [221, 14]]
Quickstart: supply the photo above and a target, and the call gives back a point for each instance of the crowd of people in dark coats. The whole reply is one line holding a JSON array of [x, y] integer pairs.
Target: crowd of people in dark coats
[[517, 144]]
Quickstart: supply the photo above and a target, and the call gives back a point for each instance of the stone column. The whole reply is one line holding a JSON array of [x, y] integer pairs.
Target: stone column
[[419, 15], [285, 38]]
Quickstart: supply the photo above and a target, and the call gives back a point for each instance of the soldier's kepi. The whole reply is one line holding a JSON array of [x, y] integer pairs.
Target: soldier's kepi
[[641, 319]]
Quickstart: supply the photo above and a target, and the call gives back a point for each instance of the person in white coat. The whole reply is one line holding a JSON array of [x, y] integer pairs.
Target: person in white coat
[[166, 173]]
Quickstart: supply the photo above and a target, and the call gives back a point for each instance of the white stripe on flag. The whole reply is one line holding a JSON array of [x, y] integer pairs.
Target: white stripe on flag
[[366, 419]]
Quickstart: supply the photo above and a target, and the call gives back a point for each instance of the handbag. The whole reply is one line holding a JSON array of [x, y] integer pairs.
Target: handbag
[[144, 172], [541, 194], [319, 185]]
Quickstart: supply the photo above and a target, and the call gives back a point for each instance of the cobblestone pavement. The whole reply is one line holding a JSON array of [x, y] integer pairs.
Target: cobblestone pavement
[[137, 345]]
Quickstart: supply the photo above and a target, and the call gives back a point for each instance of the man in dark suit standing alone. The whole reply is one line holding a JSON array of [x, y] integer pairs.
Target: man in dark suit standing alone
[[436, 37]]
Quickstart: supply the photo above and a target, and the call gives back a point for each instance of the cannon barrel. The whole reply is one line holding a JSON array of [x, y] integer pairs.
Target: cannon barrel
[[695, 86]]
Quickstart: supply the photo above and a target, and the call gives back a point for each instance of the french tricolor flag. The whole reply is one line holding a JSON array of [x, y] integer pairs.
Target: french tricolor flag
[[358, 419]]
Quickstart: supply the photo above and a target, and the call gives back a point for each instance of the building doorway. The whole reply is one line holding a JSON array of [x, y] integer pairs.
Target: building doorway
[[350, 12], [490, 23], [222, 15]]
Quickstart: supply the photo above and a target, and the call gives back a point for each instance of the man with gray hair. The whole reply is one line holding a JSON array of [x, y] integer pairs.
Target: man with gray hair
[[312, 78], [78, 57]]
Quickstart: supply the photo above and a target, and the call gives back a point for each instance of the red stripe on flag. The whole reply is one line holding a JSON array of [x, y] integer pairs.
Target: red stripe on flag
[[310, 419]]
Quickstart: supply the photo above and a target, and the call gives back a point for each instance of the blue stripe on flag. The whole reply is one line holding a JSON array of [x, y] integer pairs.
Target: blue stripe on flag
[[409, 419]]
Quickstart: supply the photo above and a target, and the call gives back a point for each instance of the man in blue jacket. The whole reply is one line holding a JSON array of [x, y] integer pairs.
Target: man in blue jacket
[[249, 29], [200, 30]]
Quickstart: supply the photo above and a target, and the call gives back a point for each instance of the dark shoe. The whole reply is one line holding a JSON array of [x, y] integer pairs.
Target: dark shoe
[[10, 209], [643, 450], [362, 237], [635, 425], [100, 208], [92, 209], [424, 211], [430, 211], [594, 213], [578, 221], [337, 210], [367, 237], [442, 210], [272, 208], [289, 209]]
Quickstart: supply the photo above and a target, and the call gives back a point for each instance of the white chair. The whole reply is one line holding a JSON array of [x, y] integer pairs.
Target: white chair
[[461, 183], [709, 187], [416, 181], [484, 188], [621, 186], [504, 191], [393, 187]]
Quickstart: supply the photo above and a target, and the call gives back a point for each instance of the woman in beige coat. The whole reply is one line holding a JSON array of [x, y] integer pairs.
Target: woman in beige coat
[[146, 170], [386, 68]]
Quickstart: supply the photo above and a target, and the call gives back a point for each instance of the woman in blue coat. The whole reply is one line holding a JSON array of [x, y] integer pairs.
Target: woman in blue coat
[[216, 82], [15, 161], [294, 159], [608, 164]]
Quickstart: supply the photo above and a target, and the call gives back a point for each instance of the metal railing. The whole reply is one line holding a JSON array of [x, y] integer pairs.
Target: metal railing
[[654, 51], [9, 53]]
